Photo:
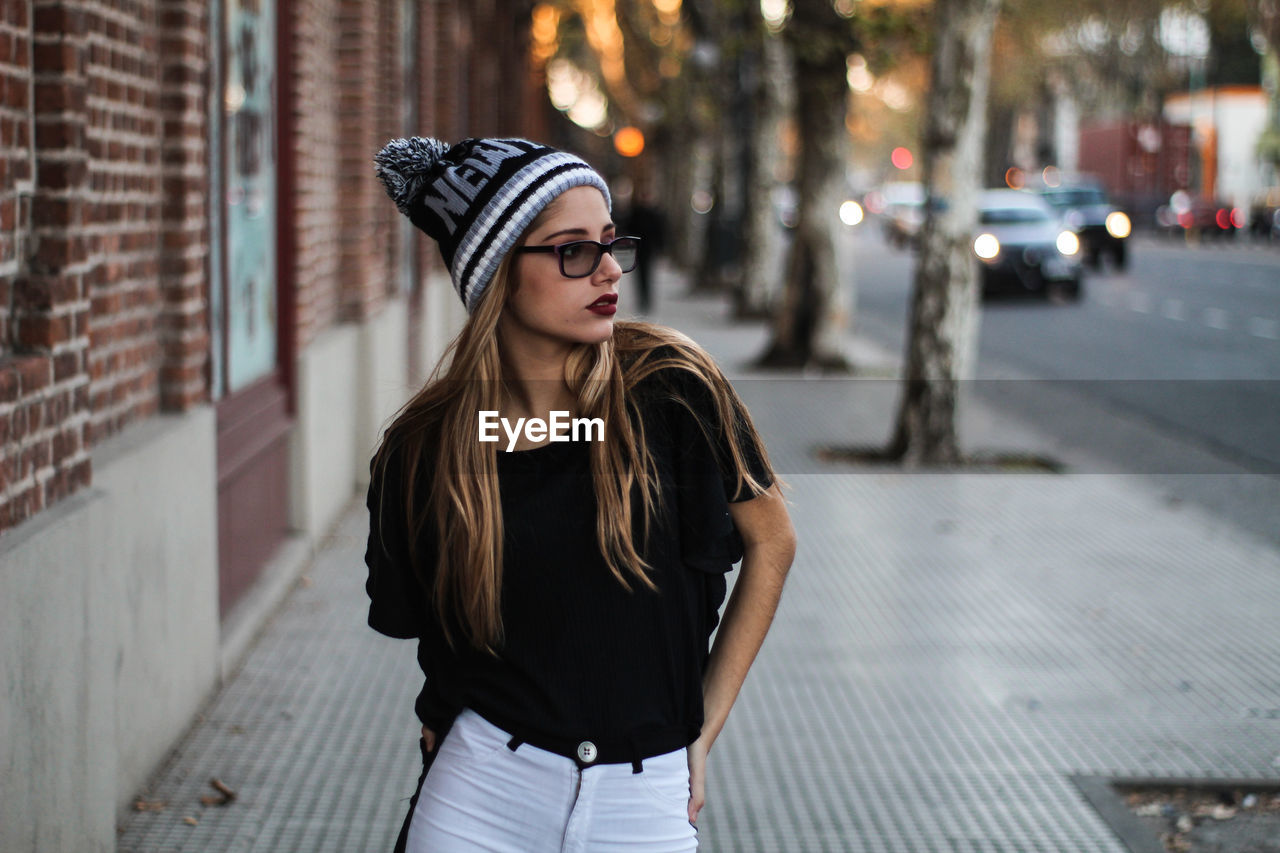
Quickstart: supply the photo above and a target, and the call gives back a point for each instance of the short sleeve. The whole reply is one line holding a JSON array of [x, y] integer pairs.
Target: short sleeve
[[710, 435], [397, 602], [707, 480]]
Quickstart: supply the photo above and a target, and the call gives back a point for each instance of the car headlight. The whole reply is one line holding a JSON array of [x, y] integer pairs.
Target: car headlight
[[1118, 225], [850, 213], [986, 246], [1068, 243]]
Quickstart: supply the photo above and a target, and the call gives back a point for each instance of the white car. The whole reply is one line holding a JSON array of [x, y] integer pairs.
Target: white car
[[1023, 246]]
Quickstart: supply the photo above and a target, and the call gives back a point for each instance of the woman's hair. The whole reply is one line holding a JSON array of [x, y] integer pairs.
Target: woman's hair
[[442, 421]]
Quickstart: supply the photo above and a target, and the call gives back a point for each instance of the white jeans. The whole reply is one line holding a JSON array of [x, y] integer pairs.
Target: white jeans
[[479, 795]]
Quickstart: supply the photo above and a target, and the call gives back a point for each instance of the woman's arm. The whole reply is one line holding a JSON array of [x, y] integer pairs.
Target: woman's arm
[[769, 546]]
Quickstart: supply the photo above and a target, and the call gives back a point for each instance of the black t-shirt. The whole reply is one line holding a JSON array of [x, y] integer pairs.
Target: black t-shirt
[[582, 655]]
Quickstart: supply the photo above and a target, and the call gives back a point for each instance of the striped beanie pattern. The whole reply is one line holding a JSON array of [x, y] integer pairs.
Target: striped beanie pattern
[[476, 198]]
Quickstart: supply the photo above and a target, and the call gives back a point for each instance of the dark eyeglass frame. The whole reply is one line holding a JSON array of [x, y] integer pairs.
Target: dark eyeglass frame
[[601, 249]]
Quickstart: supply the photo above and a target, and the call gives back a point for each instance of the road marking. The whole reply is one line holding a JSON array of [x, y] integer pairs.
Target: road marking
[[1173, 309], [1264, 327], [1140, 302], [1215, 318]]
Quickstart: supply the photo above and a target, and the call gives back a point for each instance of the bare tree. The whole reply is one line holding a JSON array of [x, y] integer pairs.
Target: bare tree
[[811, 321], [773, 101], [943, 333]]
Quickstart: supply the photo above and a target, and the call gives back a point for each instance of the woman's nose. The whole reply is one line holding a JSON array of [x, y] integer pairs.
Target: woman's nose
[[609, 267]]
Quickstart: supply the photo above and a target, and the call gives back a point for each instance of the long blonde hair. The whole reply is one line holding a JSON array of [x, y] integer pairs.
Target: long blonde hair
[[463, 499]]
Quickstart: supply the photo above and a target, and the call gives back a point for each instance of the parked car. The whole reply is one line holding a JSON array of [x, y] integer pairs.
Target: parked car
[[1199, 217], [902, 213], [1103, 228], [1023, 246]]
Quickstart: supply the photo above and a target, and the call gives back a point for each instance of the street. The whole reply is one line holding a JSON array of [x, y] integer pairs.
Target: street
[[1167, 369]]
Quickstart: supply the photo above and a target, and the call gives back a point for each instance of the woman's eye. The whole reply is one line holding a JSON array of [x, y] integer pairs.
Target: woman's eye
[[571, 252]]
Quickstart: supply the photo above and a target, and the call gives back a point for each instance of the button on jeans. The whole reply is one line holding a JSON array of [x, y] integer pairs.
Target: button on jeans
[[479, 795]]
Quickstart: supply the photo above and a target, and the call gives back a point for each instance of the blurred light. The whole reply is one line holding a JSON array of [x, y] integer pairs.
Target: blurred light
[[545, 31], [986, 246], [1180, 202], [575, 93], [702, 201], [901, 158], [1051, 176], [1185, 219], [851, 213], [1118, 225], [668, 11], [857, 75], [234, 98], [1014, 178], [895, 96], [774, 13], [844, 8], [660, 35], [629, 141], [1237, 217], [875, 202], [1223, 218], [1068, 243]]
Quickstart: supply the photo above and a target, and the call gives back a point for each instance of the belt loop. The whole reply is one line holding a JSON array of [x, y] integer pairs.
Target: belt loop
[[637, 766], [514, 743]]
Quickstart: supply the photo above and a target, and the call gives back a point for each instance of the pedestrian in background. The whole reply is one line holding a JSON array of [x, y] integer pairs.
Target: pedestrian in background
[[563, 594], [646, 221]]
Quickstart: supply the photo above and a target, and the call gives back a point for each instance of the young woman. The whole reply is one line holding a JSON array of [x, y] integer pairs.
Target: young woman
[[552, 517]]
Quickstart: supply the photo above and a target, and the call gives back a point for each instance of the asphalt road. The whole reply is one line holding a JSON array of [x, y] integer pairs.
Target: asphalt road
[[1170, 369]]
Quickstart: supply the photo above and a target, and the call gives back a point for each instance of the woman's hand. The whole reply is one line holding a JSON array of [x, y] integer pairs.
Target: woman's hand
[[430, 738], [697, 752]]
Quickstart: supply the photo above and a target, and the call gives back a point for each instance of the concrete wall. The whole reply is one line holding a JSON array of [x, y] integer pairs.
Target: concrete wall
[[322, 475], [384, 386], [108, 634]]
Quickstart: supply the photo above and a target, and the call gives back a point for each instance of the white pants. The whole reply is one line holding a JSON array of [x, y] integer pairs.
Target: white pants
[[479, 795]]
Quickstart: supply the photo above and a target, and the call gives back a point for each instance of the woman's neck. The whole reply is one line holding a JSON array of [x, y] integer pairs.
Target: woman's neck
[[533, 373]]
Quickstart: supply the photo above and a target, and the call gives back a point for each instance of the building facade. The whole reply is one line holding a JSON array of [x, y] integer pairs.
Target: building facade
[[208, 310]]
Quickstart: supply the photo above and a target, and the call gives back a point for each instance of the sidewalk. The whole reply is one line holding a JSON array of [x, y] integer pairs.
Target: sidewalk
[[951, 648]]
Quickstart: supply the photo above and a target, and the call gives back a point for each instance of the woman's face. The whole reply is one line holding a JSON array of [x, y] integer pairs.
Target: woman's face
[[546, 304]]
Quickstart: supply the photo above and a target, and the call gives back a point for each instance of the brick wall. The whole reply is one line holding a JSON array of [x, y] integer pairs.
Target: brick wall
[[104, 180], [183, 48], [102, 286], [317, 207], [15, 151]]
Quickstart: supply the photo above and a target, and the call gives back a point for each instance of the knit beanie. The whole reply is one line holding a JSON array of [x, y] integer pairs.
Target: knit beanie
[[476, 198]]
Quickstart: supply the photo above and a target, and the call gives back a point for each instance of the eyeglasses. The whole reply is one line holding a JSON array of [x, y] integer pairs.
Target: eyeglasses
[[581, 258]]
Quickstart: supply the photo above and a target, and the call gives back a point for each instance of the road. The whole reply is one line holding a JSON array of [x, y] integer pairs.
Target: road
[[1168, 369]]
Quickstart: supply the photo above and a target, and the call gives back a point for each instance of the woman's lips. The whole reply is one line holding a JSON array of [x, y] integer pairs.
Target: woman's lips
[[606, 305]]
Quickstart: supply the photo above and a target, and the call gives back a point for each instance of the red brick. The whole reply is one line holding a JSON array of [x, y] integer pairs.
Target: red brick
[[80, 474], [10, 383], [34, 371], [66, 365]]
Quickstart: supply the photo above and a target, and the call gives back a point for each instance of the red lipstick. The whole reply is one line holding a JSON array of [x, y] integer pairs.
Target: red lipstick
[[605, 306]]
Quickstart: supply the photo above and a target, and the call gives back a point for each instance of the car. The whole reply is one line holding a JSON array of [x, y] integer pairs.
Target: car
[[1023, 247], [1197, 217], [1102, 227], [902, 213]]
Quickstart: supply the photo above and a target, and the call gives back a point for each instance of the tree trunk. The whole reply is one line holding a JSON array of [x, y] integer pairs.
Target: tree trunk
[[762, 253], [943, 335], [810, 325]]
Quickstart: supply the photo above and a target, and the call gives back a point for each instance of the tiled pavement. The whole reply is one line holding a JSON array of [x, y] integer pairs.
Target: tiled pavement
[[950, 649]]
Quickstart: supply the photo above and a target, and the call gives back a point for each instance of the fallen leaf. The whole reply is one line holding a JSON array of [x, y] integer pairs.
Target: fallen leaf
[[190, 820], [225, 796]]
